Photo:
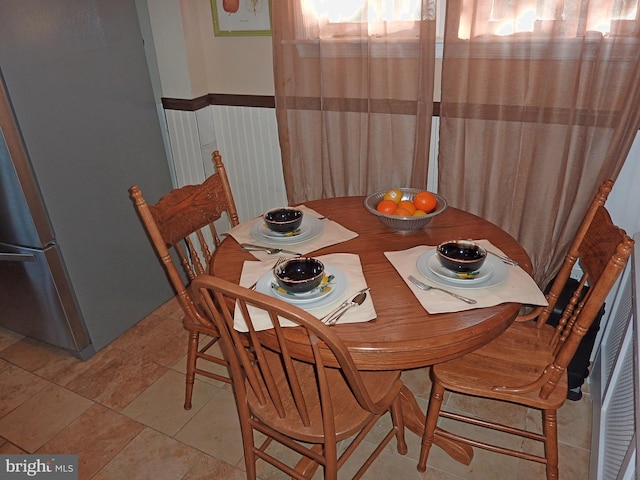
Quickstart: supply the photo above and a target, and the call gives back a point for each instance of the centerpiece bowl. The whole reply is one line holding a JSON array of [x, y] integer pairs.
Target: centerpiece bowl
[[404, 224]]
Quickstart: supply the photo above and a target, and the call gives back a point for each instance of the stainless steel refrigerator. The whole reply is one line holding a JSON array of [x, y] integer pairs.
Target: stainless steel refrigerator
[[78, 126]]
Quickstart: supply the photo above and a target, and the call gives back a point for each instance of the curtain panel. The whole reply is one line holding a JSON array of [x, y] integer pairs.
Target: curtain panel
[[354, 96], [540, 104]]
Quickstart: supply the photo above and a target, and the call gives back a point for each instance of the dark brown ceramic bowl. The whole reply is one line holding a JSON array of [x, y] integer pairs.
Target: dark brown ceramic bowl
[[461, 255], [283, 219], [299, 275]]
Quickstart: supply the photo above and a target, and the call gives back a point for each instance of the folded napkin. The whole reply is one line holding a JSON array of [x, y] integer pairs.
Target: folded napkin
[[518, 286], [347, 263], [332, 234]]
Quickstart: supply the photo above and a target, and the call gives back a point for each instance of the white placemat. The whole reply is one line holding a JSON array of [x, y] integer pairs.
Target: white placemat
[[332, 234], [348, 263], [518, 286]]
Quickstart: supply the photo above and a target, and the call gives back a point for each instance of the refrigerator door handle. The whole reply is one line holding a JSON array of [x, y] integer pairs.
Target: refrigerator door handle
[[17, 257]]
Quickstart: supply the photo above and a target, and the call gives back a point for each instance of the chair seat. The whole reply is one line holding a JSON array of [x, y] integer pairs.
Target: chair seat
[[518, 357], [526, 335], [349, 416]]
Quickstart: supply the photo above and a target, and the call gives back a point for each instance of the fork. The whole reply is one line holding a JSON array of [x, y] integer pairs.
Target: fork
[[278, 262], [424, 286], [506, 260], [248, 247]]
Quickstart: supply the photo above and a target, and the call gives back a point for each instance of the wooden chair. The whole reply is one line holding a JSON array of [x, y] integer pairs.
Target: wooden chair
[[527, 364], [183, 221], [307, 407]]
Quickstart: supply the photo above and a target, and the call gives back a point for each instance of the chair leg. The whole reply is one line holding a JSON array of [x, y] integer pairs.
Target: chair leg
[[330, 458], [250, 458], [398, 423], [433, 412], [192, 350], [550, 431]]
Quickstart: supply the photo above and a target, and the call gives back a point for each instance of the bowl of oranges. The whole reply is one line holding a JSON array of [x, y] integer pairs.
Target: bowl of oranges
[[405, 209]]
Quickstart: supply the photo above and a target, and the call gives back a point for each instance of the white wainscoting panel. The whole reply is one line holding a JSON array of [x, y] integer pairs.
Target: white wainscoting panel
[[615, 381], [185, 147], [248, 141]]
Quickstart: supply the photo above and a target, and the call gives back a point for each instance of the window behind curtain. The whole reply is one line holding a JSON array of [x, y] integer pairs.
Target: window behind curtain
[[346, 18], [499, 18], [565, 18]]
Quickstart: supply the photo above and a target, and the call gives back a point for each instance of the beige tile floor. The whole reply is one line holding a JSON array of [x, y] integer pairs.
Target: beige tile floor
[[121, 412]]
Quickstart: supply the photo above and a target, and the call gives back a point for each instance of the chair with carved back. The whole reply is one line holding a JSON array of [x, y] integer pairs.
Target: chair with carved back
[[306, 406], [526, 365], [183, 220]]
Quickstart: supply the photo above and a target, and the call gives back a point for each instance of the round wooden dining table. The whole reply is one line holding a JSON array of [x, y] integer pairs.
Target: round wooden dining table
[[403, 335]]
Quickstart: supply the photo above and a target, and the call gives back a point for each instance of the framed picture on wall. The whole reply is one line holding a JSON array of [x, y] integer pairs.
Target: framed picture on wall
[[233, 18]]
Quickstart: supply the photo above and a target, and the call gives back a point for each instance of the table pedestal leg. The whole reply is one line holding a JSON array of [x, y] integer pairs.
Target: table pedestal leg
[[414, 419], [307, 467]]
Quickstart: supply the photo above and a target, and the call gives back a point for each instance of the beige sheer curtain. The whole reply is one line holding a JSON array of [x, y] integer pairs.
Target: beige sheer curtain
[[540, 104], [354, 92]]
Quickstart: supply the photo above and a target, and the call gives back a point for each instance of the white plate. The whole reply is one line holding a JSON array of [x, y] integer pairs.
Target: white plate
[[310, 228], [310, 300], [499, 273], [301, 233], [436, 267]]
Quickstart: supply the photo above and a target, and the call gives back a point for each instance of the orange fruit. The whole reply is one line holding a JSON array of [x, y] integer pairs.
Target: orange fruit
[[401, 212], [387, 206], [425, 201], [394, 195], [419, 213], [407, 205]]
